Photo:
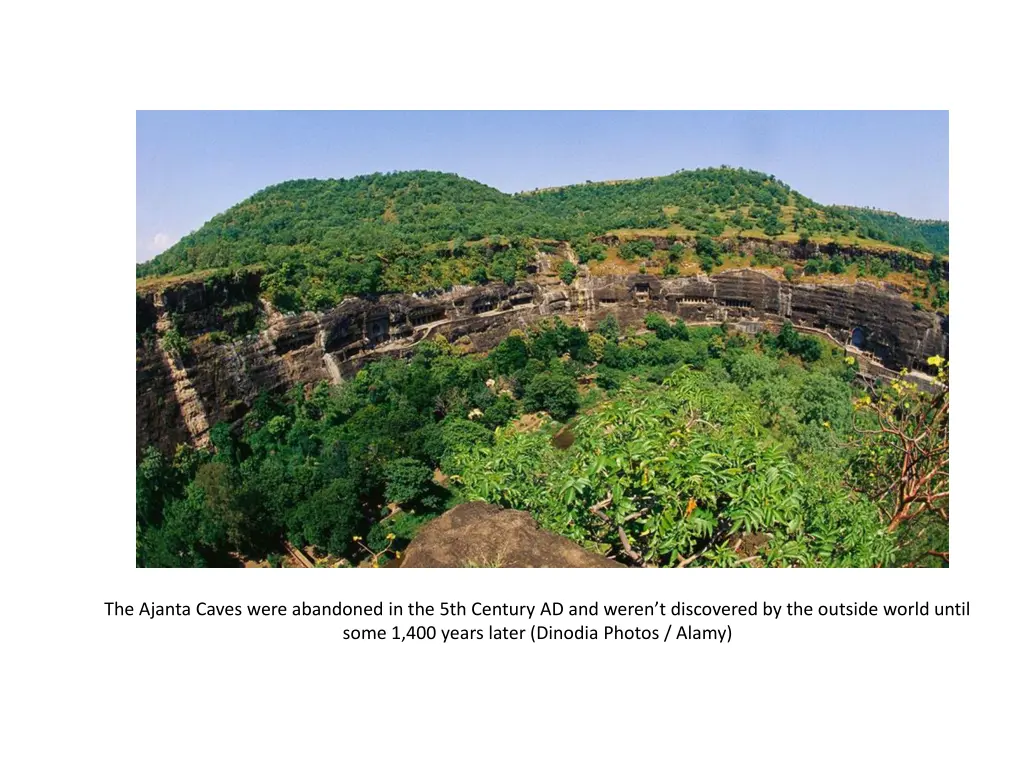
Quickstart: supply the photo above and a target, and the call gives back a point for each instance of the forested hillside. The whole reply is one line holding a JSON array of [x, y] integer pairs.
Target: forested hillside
[[665, 446], [322, 240]]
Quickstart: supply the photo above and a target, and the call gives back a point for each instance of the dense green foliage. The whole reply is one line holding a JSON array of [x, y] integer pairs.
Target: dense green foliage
[[703, 447], [321, 468], [711, 447], [928, 235], [322, 240]]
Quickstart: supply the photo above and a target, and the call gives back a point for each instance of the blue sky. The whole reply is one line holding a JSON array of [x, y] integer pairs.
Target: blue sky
[[193, 165]]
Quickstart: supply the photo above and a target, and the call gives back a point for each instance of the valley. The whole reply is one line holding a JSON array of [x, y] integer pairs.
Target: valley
[[324, 398]]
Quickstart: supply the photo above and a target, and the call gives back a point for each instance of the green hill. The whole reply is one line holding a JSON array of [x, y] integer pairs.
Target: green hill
[[322, 240]]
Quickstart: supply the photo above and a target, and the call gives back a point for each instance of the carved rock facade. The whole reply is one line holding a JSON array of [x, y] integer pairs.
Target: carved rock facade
[[178, 397]]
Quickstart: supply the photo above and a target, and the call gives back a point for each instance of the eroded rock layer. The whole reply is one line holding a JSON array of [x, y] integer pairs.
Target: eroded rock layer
[[183, 390]]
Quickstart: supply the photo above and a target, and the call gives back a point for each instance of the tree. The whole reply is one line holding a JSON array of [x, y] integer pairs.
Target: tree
[[713, 226], [708, 253], [772, 226], [318, 241], [658, 324], [552, 392], [329, 518], [567, 272], [634, 249], [409, 483], [152, 484], [807, 348], [511, 355], [705, 246], [500, 412], [609, 328], [903, 454]]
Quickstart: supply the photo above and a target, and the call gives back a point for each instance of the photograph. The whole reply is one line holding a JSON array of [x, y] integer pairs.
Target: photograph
[[542, 339], [623, 331]]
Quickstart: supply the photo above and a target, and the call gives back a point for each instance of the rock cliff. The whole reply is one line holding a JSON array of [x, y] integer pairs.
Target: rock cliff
[[230, 346]]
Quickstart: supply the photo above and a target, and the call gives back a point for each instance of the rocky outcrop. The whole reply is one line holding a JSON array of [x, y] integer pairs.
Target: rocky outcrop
[[878, 321], [158, 417], [479, 535], [179, 396]]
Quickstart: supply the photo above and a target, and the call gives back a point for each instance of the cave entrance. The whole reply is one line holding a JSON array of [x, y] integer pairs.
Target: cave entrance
[[424, 315], [377, 329], [857, 338], [485, 304]]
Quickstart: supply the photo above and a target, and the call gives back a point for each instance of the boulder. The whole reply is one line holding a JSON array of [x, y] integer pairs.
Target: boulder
[[480, 535]]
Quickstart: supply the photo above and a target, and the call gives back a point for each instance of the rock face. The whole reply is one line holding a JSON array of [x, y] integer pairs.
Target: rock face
[[878, 321], [479, 535], [181, 394]]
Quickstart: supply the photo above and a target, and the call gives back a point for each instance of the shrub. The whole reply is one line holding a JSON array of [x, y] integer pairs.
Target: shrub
[[878, 267], [825, 401], [749, 367], [173, 342]]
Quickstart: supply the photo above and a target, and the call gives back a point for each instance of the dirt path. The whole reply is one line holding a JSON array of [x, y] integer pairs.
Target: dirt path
[[298, 555]]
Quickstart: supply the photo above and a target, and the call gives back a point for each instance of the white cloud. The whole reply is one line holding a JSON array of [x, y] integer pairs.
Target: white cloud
[[148, 247], [161, 242]]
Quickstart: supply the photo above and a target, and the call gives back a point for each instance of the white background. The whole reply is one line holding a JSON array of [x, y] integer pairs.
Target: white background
[[81, 687]]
